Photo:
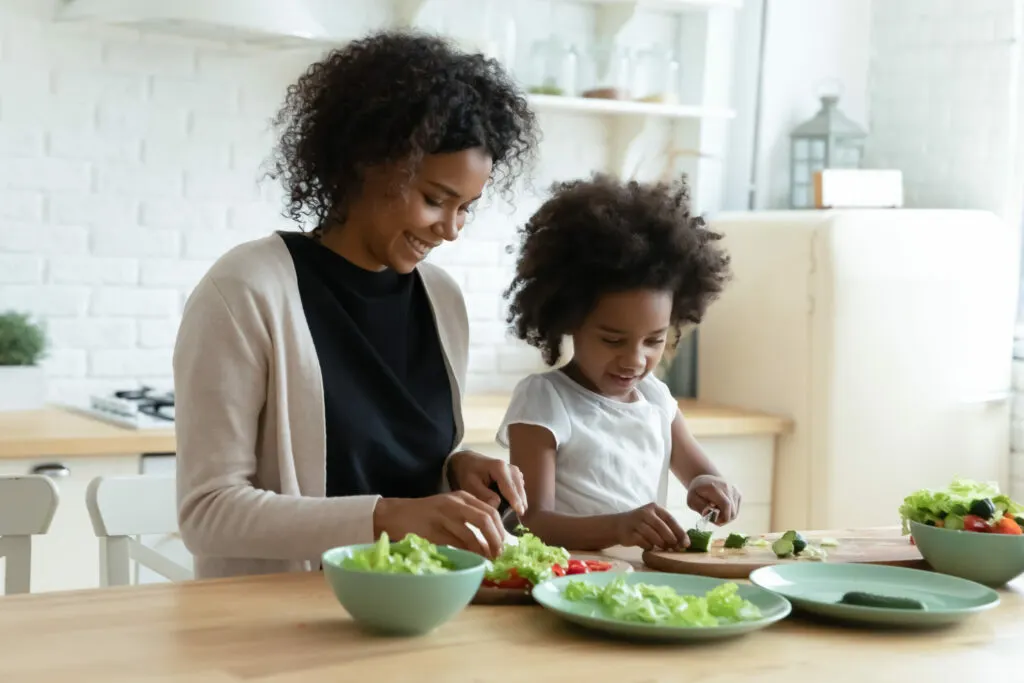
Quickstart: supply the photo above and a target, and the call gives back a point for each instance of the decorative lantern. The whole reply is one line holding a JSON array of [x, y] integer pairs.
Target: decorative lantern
[[829, 140]]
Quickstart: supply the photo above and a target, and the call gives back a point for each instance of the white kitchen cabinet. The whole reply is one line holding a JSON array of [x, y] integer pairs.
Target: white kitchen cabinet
[[747, 461], [67, 558]]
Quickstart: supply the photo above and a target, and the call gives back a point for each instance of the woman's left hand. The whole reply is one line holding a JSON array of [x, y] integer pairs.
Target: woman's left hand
[[708, 491], [475, 473]]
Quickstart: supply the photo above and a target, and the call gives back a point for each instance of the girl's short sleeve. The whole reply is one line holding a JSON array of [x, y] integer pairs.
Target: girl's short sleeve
[[658, 393], [535, 401]]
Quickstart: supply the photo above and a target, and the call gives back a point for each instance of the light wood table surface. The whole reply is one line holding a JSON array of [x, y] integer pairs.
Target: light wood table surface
[[290, 629], [56, 432]]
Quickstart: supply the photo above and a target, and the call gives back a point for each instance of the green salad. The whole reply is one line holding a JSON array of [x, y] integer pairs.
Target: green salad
[[662, 605], [411, 555], [949, 507], [529, 559]]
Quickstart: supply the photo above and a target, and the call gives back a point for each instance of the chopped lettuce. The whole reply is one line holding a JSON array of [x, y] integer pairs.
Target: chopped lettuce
[[529, 556], [649, 604], [952, 503], [411, 555]]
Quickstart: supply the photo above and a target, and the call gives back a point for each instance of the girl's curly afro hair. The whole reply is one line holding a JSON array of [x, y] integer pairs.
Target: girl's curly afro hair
[[393, 97], [600, 236]]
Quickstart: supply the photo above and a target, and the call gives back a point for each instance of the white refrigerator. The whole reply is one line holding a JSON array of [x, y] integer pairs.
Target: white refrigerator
[[886, 335]]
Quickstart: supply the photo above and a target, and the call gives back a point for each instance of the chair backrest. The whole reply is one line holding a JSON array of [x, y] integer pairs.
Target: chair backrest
[[124, 508], [27, 505]]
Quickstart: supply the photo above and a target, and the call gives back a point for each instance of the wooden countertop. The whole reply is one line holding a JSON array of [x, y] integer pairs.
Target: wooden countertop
[[290, 629], [56, 432]]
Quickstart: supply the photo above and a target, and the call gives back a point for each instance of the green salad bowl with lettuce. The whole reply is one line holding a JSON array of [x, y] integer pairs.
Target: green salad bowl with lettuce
[[408, 587], [961, 530]]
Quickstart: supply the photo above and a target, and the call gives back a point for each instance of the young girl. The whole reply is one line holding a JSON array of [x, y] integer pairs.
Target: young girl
[[617, 267]]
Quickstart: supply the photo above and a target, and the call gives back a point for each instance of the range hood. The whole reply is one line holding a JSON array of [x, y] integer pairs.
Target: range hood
[[265, 22]]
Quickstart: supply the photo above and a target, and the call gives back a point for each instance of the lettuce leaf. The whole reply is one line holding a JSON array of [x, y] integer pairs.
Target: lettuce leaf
[[530, 557], [411, 555], [650, 604], [952, 503]]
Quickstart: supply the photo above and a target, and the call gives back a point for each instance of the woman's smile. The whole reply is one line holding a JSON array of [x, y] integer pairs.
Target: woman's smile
[[419, 247]]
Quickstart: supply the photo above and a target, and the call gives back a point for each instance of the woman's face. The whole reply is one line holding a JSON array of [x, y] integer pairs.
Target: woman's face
[[397, 229]]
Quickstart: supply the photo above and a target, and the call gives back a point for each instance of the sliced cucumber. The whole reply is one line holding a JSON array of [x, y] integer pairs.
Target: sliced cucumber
[[829, 543], [783, 547], [735, 541], [699, 541], [798, 541]]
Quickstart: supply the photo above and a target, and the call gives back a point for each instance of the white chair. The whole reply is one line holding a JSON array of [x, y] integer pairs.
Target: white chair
[[125, 508], [27, 505]]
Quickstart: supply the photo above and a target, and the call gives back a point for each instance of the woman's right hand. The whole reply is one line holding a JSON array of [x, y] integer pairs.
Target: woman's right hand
[[650, 527], [442, 519]]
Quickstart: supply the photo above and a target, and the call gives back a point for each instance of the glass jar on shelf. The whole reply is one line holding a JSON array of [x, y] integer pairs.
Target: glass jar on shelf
[[554, 68], [607, 73], [656, 77]]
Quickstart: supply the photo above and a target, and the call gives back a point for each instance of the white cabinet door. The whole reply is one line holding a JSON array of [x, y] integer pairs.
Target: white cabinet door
[[67, 558]]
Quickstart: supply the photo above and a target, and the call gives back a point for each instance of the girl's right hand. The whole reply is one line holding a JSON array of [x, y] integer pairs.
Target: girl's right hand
[[442, 520], [650, 527]]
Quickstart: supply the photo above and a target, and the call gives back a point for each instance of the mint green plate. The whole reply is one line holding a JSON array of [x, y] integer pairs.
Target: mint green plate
[[816, 588], [591, 615]]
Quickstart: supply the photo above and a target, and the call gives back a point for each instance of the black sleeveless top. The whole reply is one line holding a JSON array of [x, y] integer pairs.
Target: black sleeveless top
[[387, 397]]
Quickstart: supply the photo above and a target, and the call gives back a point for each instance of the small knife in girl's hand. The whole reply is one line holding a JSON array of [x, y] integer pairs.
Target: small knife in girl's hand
[[709, 517]]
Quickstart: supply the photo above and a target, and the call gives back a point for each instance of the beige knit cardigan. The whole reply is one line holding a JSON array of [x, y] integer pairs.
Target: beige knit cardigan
[[249, 417]]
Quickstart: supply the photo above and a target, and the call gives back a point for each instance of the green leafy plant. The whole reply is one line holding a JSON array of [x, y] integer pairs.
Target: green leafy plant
[[22, 342]]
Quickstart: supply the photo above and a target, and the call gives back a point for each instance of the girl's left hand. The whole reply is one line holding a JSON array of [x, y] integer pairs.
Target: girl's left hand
[[475, 473], [707, 490]]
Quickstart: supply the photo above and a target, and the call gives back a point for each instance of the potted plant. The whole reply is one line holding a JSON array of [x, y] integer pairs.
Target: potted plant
[[22, 345]]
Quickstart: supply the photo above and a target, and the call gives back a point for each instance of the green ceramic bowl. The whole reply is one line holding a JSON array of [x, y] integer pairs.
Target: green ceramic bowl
[[990, 559], [404, 604]]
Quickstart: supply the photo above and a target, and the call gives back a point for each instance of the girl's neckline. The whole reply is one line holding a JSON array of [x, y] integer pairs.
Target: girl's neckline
[[641, 400]]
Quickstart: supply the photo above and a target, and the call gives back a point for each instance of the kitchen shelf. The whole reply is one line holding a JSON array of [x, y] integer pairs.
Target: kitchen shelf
[[586, 105]]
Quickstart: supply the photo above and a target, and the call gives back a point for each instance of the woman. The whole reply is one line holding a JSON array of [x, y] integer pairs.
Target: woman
[[319, 375]]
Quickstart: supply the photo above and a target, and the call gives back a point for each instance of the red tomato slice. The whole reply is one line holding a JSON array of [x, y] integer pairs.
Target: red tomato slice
[[513, 582], [577, 567], [975, 523], [558, 570], [598, 565]]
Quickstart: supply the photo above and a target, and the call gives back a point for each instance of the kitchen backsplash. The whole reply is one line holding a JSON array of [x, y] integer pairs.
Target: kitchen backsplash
[[129, 162]]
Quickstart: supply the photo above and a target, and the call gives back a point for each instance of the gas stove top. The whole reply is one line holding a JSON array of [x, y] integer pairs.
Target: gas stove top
[[142, 408]]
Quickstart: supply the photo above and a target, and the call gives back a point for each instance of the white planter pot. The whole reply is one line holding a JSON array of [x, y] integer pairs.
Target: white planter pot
[[22, 387]]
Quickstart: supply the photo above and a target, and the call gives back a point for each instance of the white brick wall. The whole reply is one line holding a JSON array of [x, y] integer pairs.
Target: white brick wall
[[943, 101], [129, 162]]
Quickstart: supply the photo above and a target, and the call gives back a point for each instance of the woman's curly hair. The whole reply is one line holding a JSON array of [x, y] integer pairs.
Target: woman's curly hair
[[600, 236], [393, 97]]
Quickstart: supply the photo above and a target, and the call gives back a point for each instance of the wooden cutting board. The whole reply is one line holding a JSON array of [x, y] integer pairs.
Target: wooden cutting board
[[867, 546]]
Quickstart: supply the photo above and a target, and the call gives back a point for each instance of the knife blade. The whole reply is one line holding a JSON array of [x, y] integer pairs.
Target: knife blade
[[709, 517]]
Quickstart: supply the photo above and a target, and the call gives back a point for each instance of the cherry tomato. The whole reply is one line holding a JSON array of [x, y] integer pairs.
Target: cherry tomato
[[577, 567], [975, 523], [558, 570], [598, 565], [1008, 526]]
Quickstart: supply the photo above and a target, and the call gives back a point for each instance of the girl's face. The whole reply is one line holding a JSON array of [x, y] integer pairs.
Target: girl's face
[[393, 230], [621, 341]]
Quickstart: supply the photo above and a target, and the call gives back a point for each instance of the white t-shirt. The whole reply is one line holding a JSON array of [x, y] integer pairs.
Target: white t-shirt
[[612, 456]]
